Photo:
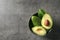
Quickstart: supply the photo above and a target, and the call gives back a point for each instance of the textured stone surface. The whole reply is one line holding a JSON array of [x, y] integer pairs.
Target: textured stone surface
[[15, 15]]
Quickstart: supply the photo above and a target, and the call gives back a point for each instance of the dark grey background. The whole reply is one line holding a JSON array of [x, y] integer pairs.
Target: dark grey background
[[15, 15]]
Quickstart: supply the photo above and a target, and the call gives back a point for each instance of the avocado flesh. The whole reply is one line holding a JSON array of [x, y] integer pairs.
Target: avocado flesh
[[35, 20], [47, 17], [39, 30]]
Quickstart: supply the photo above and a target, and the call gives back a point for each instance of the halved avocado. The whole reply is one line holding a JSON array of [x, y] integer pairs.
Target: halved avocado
[[36, 20], [46, 21], [39, 30], [41, 12]]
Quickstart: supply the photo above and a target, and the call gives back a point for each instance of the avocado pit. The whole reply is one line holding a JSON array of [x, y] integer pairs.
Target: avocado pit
[[38, 29], [47, 23]]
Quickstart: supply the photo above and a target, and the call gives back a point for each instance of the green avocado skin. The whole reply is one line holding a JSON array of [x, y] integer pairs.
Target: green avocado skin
[[41, 12], [36, 21]]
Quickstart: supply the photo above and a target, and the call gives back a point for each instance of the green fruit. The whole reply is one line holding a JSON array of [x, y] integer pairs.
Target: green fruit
[[36, 20], [46, 21], [41, 13], [39, 30]]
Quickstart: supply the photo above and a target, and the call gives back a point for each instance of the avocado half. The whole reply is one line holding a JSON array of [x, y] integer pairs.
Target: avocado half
[[41, 12], [39, 30], [46, 21], [36, 20]]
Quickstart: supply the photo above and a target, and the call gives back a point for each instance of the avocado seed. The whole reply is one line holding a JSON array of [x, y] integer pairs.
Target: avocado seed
[[46, 23], [39, 29]]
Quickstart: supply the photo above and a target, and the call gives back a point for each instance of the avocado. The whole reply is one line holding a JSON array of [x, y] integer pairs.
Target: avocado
[[41, 12], [36, 20], [39, 30], [46, 21]]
